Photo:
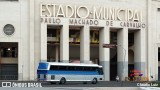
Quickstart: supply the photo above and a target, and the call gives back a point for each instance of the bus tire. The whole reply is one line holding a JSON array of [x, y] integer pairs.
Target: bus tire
[[94, 81], [62, 81]]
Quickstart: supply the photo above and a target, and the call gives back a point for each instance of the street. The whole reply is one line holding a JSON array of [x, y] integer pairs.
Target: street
[[105, 85], [75, 88]]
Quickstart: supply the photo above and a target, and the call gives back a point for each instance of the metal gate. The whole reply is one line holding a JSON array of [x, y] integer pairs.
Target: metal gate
[[9, 72]]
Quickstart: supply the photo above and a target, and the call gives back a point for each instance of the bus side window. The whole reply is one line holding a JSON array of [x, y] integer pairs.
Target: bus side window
[[87, 68], [93, 68], [63, 68], [79, 68], [54, 67], [71, 68]]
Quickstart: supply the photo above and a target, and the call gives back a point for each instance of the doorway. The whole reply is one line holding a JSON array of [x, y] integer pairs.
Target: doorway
[[113, 55], [159, 64], [53, 43], [8, 61]]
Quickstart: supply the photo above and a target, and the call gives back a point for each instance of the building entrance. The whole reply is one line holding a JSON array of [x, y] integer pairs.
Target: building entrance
[[113, 55], [53, 43], [8, 61], [94, 44], [130, 54], [74, 44], [158, 64]]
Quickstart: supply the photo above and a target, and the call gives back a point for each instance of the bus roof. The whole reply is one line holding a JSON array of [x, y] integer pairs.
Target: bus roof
[[71, 64]]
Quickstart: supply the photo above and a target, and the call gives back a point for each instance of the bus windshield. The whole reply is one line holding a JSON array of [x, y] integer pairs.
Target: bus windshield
[[100, 71]]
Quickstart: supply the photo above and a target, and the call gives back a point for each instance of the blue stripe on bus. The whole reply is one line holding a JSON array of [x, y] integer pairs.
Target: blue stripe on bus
[[43, 66], [69, 72]]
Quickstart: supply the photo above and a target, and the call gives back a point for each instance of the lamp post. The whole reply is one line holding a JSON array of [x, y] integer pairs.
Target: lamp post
[[124, 58]]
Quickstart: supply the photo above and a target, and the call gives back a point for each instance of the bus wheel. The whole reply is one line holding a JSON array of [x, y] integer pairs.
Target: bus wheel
[[94, 81], [62, 81]]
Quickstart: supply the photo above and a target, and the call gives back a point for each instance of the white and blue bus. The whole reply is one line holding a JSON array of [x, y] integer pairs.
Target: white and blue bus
[[62, 72]]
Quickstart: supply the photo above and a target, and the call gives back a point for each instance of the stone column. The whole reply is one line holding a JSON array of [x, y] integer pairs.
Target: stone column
[[85, 44], [43, 42], [140, 51], [104, 53], [31, 43], [149, 37], [64, 43], [122, 46]]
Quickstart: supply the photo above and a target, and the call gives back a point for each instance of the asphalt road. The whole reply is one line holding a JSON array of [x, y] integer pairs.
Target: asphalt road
[[83, 88], [67, 84], [110, 85], [75, 88], [89, 84]]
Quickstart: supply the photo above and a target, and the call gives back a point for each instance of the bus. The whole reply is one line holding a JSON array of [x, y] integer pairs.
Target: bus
[[63, 72]]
